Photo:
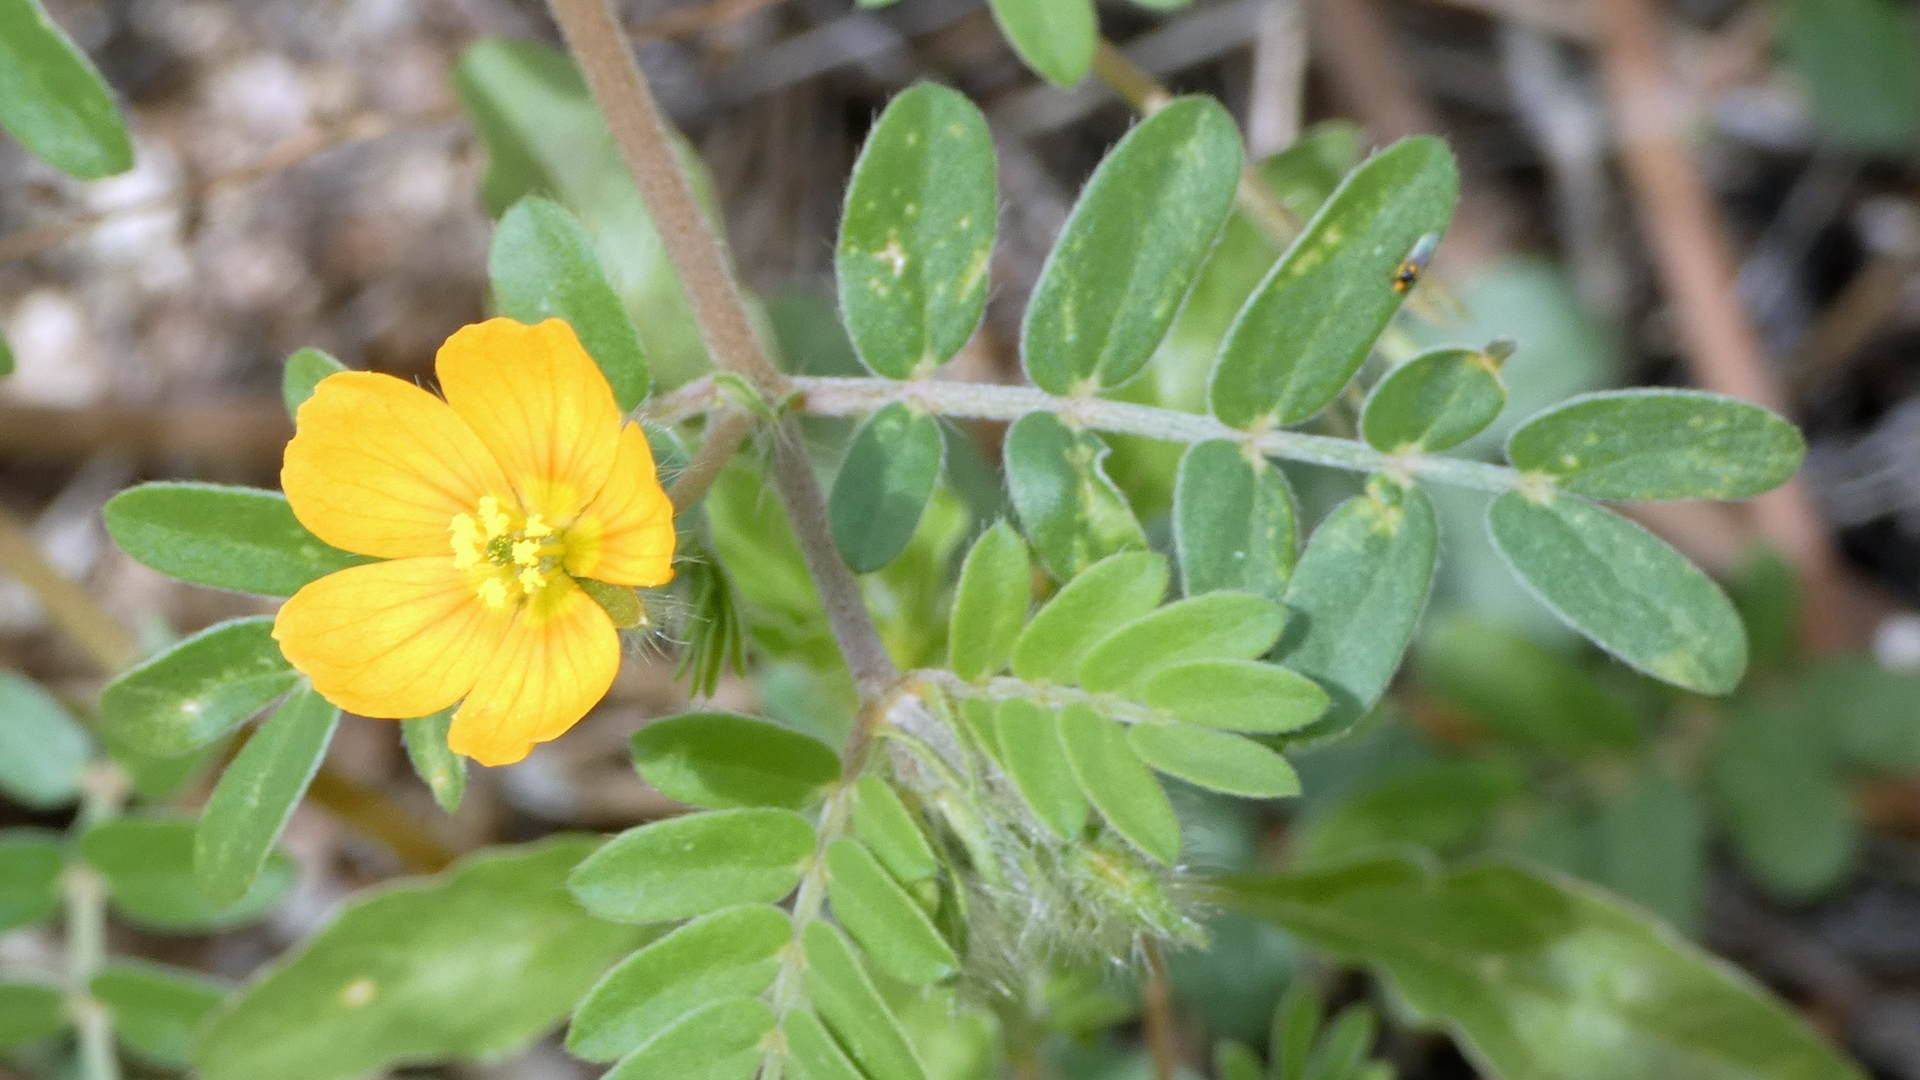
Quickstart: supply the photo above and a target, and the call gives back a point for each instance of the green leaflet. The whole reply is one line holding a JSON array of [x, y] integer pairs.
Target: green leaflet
[[1779, 792], [1111, 593], [1233, 1061], [29, 1011], [31, 862], [198, 690], [916, 235], [692, 865], [734, 952], [256, 795], [1217, 626], [473, 963], [989, 603], [1305, 330], [1624, 588], [1652, 845], [53, 100], [542, 266], [1028, 735], [1070, 508], [719, 1041], [1543, 978], [1522, 693], [1437, 400], [1119, 783], [303, 373], [1295, 1022], [148, 864], [1359, 591], [853, 1010], [43, 749], [1237, 695], [1217, 760], [1233, 522], [878, 913], [1658, 444], [443, 771], [1054, 37], [1123, 263], [888, 830], [883, 486], [236, 538], [156, 1008], [1444, 805], [811, 1052], [6, 357], [722, 760]]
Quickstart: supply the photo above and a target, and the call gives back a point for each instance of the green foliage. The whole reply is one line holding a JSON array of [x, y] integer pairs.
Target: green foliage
[[884, 485], [1071, 509], [731, 953], [303, 373], [883, 918], [1777, 787], [722, 761], [886, 827], [198, 690], [1031, 750], [30, 864], [719, 1041], [852, 1008], [1624, 588], [1542, 978], [443, 771], [156, 1008], [257, 794], [6, 357], [473, 964], [1658, 444], [1055, 38], [1522, 693], [917, 232], [1217, 626], [1435, 401], [53, 100], [1305, 330], [1359, 590], [43, 749], [1131, 249], [236, 538], [149, 866], [696, 864], [1111, 593], [1860, 60], [1233, 522], [29, 1011], [989, 603], [1216, 760], [1119, 783], [542, 266], [1237, 695]]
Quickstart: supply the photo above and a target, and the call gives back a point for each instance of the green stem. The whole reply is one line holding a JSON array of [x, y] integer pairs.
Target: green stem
[[104, 789], [824, 396]]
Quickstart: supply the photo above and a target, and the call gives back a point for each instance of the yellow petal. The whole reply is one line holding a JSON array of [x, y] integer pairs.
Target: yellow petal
[[380, 466], [556, 662], [391, 639], [625, 535], [538, 401]]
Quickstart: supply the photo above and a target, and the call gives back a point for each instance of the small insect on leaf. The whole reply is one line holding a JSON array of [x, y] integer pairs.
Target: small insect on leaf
[[1416, 262]]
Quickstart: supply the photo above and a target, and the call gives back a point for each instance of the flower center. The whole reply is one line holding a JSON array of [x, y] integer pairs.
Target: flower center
[[513, 556]]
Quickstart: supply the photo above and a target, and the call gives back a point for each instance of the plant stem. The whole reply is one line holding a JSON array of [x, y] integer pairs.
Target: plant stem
[[593, 37], [824, 396], [104, 791], [725, 432], [1159, 1008]]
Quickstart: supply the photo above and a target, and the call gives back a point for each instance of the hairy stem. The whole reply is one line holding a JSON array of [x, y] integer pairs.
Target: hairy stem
[[594, 38], [824, 396], [725, 433], [1159, 1008]]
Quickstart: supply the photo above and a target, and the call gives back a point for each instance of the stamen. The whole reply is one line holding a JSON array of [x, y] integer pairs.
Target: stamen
[[532, 580], [493, 593], [526, 552], [528, 556], [495, 518], [535, 527]]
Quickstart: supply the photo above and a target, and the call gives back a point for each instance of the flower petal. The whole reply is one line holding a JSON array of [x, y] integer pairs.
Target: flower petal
[[552, 668], [538, 401], [625, 535], [380, 467], [391, 639]]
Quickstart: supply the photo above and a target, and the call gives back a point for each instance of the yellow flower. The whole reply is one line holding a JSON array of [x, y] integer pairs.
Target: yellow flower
[[486, 508]]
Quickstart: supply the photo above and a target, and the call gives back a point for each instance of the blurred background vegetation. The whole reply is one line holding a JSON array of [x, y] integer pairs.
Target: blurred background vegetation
[[315, 174]]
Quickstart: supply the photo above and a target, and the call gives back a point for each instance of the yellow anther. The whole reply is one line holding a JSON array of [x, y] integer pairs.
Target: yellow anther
[[495, 518], [467, 541], [526, 552], [535, 527], [493, 593], [532, 580]]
